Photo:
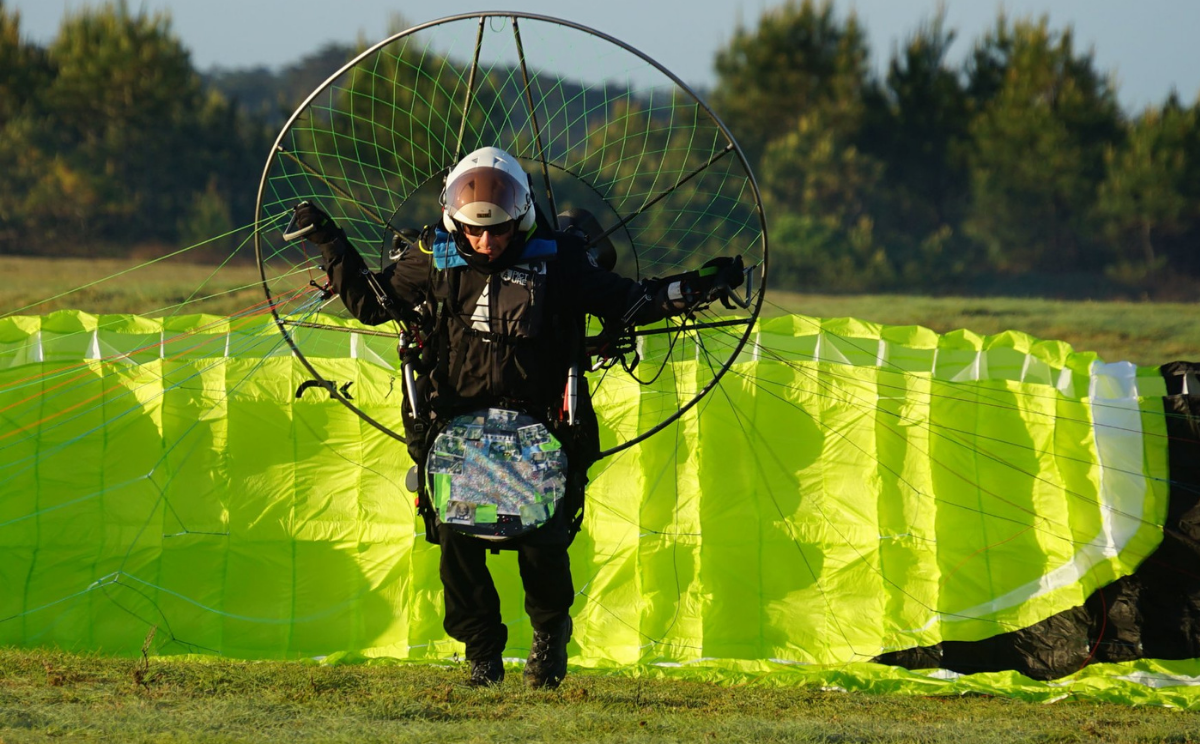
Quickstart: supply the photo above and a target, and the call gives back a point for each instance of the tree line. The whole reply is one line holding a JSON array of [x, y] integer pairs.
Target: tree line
[[109, 139], [1016, 162], [1019, 161]]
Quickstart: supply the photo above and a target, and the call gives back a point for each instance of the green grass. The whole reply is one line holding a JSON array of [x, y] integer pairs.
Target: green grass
[[1147, 333], [111, 285], [49, 695]]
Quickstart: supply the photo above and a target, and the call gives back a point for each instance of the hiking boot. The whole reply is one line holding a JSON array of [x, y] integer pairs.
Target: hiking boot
[[547, 662], [486, 672]]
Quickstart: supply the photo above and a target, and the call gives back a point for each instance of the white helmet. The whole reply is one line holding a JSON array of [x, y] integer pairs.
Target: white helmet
[[487, 187]]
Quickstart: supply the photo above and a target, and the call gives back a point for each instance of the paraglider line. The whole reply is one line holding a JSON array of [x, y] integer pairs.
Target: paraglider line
[[343, 329], [48, 605], [640, 532], [675, 519], [1174, 566], [151, 262], [89, 364], [64, 445], [945, 579], [1071, 492], [74, 502], [191, 297], [676, 333], [1103, 628], [233, 290], [125, 356], [849, 397], [813, 574], [117, 582], [162, 497], [652, 640], [941, 430], [371, 214], [995, 402], [325, 613], [833, 525], [62, 411], [693, 327], [323, 439]]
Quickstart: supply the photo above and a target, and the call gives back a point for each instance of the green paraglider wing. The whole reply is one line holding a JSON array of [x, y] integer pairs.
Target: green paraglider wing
[[851, 489]]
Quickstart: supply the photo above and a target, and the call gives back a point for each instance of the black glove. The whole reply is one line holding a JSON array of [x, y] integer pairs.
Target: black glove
[[715, 280], [324, 229], [403, 241]]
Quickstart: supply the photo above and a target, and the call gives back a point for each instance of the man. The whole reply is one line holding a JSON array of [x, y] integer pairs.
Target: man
[[501, 427]]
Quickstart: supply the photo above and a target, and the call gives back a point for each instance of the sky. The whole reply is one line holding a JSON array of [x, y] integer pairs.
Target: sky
[[1149, 45]]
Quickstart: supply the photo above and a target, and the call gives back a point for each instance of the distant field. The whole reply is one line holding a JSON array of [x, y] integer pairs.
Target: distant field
[[1147, 333], [1143, 332], [109, 285]]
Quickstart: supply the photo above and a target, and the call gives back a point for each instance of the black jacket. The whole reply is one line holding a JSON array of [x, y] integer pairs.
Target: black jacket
[[517, 346]]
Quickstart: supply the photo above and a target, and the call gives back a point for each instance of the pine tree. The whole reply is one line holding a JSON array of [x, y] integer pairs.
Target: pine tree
[[1147, 203], [917, 125], [798, 58], [1045, 119], [792, 92], [124, 98]]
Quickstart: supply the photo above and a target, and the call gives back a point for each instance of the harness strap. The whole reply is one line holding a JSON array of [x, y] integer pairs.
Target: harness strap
[[448, 311]]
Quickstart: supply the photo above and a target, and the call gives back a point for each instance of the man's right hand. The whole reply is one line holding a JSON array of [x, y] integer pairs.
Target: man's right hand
[[717, 279], [324, 230], [713, 281]]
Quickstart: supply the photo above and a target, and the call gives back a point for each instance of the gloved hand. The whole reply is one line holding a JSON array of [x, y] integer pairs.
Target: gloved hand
[[719, 276], [325, 230], [404, 241], [715, 280]]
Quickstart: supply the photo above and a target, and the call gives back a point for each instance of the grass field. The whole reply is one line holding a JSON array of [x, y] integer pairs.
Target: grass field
[[1143, 332], [110, 285], [1147, 333], [46, 695]]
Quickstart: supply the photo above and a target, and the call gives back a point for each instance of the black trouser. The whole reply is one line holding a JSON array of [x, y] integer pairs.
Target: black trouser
[[472, 604]]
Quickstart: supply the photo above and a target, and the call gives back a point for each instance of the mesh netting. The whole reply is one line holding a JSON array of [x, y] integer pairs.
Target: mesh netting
[[599, 126]]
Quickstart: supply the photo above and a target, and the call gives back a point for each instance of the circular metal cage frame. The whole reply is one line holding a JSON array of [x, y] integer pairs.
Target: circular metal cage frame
[[754, 299]]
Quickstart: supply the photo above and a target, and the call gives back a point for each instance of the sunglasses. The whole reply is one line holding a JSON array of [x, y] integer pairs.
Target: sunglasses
[[497, 231]]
